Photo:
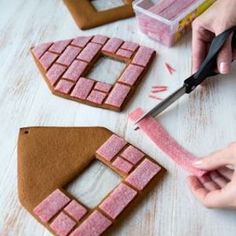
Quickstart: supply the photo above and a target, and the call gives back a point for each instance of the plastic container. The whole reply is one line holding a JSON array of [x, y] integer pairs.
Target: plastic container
[[167, 20]]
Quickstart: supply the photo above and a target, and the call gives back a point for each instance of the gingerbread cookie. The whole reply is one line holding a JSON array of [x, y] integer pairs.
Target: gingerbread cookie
[[66, 64], [50, 158], [86, 16]]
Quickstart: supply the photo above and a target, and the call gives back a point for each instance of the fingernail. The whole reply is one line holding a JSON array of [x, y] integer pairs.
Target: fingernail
[[224, 68], [198, 163]]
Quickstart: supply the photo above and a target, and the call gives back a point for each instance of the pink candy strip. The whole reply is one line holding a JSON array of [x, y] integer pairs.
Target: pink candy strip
[[169, 68], [39, 50], [166, 143], [76, 210], [155, 97]]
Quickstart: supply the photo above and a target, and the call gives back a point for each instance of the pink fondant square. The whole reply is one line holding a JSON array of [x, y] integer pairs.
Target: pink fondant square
[[62, 225], [59, 46], [111, 147], [124, 53], [82, 88], [129, 46], [122, 165], [143, 56], [81, 41], [47, 59], [104, 87], [118, 200], [55, 73], [143, 174], [94, 225], [76, 210], [64, 86], [75, 70], [68, 56], [112, 45], [132, 154], [101, 39], [117, 95], [89, 52], [51, 205], [39, 50], [131, 74], [96, 97]]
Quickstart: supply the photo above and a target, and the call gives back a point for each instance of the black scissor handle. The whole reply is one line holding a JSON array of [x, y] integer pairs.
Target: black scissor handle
[[207, 67]]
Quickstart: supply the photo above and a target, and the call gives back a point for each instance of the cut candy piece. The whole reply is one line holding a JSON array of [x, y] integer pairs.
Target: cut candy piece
[[118, 200], [122, 165], [166, 143], [94, 225], [111, 147], [75, 70], [76, 210], [101, 39], [47, 59], [104, 87], [143, 56], [59, 46], [39, 50], [62, 224], [68, 56], [124, 53], [82, 88], [89, 52], [81, 41], [112, 45], [169, 68], [155, 97], [131, 74], [132, 154], [54, 73], [117, 95], [96, 97], [64, 86], [51, 205], [129, 46], [143, 174]]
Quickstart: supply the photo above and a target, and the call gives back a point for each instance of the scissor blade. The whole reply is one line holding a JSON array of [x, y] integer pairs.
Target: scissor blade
[[164, 104]]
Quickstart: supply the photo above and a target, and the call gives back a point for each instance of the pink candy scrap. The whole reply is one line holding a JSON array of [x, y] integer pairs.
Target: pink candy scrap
[[101, 39], [103, 87], [96, 97], [124, 53], [59, 46], [143, 56], [89, 52], [111, 147], [118, 200], [64, 86], [117, 95], [143, 174], [94, 225], [82, 88], [47, 59], [154, 97], [112, 45], [51, 205], [75, 70], [132, 154], [75, 210], [166, 143], [62, 225], [81, 41], [55, 73], [129, 46], [68, 56], [169, 68], [122, 165], [131, 74], [39, 50]]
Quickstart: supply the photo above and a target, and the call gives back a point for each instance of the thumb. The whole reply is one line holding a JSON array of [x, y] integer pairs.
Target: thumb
[[225, 57], [218, 159]]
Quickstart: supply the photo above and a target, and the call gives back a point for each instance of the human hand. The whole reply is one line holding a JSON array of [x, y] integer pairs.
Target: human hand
[[217, 189], [218, 18]]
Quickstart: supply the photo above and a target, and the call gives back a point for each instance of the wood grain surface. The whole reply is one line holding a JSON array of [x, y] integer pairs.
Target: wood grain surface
[[202, 122]]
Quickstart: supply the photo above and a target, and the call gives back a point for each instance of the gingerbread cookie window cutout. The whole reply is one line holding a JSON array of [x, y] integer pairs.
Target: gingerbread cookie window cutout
[[65, 66], [45, 169], [87, 16]]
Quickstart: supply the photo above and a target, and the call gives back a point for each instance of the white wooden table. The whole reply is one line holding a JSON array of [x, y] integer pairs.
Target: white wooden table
[[202, 122]]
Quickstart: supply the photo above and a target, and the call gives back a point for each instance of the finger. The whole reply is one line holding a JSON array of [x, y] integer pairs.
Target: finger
[[208, 183], [226, 172], [218, 179], [216, 199], [225, 57]]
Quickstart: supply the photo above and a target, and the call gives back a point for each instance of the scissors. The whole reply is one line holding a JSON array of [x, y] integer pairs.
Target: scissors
[[207, 69]]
